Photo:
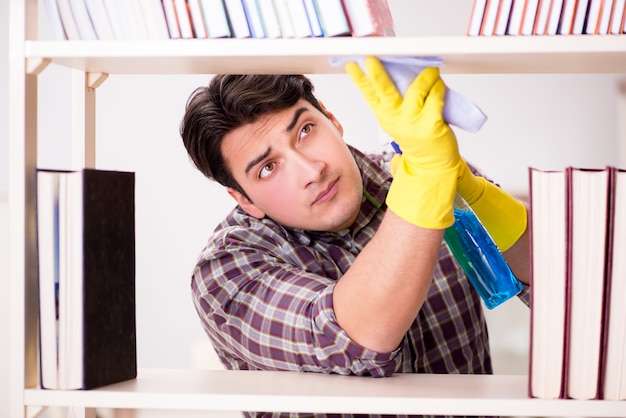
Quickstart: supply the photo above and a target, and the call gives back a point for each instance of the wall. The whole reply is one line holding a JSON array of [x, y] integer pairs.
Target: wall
[[546, 121]]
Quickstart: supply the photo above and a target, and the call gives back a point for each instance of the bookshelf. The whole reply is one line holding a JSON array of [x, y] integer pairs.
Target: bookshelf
[[230, 390]]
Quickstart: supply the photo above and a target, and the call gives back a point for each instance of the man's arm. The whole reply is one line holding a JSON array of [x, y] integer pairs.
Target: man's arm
[[379, 297]]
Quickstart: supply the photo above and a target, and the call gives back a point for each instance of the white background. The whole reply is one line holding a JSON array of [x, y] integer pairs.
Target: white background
[[544, 121]]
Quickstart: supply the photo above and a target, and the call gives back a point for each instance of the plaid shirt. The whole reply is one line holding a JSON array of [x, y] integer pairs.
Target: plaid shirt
[[264, 296]]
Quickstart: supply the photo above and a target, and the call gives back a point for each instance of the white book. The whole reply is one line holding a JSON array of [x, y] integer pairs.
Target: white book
[[592, 20], [253, 16], [555, 17], [170, 17], [314, 22], [197, 19], [332, 17], [476, 17], [154, 17], [69, 24], [48, 270], [605, 18], [615, 338], [271, 27], [100, 19], [528, 20], [580, 17], [54, 17], [502, 20], [541, 20], [284, 20], [617, 17], [237, 18], [515, 21], [184, 22], [83, 21], [548, 238], [567, 17], [489, 20], [299, 19], [215, 18]]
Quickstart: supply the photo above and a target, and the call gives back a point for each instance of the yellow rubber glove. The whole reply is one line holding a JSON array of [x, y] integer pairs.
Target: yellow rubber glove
[[503, 216], [424, 184]]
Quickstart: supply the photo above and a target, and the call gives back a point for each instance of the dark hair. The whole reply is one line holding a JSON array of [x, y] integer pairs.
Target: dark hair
[[231, 101]]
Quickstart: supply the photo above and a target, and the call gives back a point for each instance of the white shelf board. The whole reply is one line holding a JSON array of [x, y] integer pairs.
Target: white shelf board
[[315, 392], [469, 55]]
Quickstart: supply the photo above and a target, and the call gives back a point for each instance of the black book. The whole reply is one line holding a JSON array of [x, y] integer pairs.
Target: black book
[[86, 253]]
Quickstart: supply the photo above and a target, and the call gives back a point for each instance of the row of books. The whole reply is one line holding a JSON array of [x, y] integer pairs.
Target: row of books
[[202, 19], [546, 17], [86, 287], [578, 315]]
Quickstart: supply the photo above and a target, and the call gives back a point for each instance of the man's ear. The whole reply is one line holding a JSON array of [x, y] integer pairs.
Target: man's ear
[[332, 118], [245, 203]]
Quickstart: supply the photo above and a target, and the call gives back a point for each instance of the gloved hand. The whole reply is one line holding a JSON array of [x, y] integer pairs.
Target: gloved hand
[[424, 184], [503, 216]]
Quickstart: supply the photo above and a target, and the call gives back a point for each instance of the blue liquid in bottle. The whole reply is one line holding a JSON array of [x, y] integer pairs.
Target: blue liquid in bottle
[[480, 258]]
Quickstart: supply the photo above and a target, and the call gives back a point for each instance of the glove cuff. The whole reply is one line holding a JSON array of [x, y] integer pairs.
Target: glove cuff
[[423, 197], [469, 186], [503, 216]]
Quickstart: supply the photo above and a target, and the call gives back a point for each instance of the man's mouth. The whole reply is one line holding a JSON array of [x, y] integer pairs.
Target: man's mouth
[[327, 194]]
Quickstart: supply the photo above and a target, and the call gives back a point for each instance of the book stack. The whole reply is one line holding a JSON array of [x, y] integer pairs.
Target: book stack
[[578, 315], [546, 17], [204, 19], [86, 264]]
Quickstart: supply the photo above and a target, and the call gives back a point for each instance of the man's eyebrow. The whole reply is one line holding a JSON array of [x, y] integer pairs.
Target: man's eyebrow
[[291, 125], [295, 118], [258, 160]]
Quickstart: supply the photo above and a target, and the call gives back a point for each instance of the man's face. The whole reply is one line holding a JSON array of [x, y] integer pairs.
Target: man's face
[[296, 169]]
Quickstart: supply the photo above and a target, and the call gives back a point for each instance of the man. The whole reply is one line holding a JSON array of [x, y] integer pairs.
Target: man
[[327, 264]]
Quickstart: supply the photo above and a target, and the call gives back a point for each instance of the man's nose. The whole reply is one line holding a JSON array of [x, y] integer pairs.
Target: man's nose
[[309, 168]]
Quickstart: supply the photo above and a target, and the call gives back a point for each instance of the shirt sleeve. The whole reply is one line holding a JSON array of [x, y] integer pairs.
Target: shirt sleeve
[[263, 312]]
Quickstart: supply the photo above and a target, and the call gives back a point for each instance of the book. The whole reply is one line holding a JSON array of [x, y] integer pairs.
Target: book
[[548, 228], [555, 17], [592, 20], [54, 17], [69, 24], [100, 19], [269, 19], [504, 14], [169, 10], [215, 18], [541, 20], [528, 18], [605, 18], [489, 20], [237, 19], [183, 18], [614, 355], [314, 21], [253, 16], [197, 19], [154, 17], [284, 20], [589, 196], [85, 27], [86, 253], [332, 18], [299, 19], [515, 20], [580, 17], [476, 17], [568, 13], [617, 14], [369, 18]]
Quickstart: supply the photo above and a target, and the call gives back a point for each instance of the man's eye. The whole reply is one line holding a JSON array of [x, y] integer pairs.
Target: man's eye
[[306, 129], [266, 170]]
